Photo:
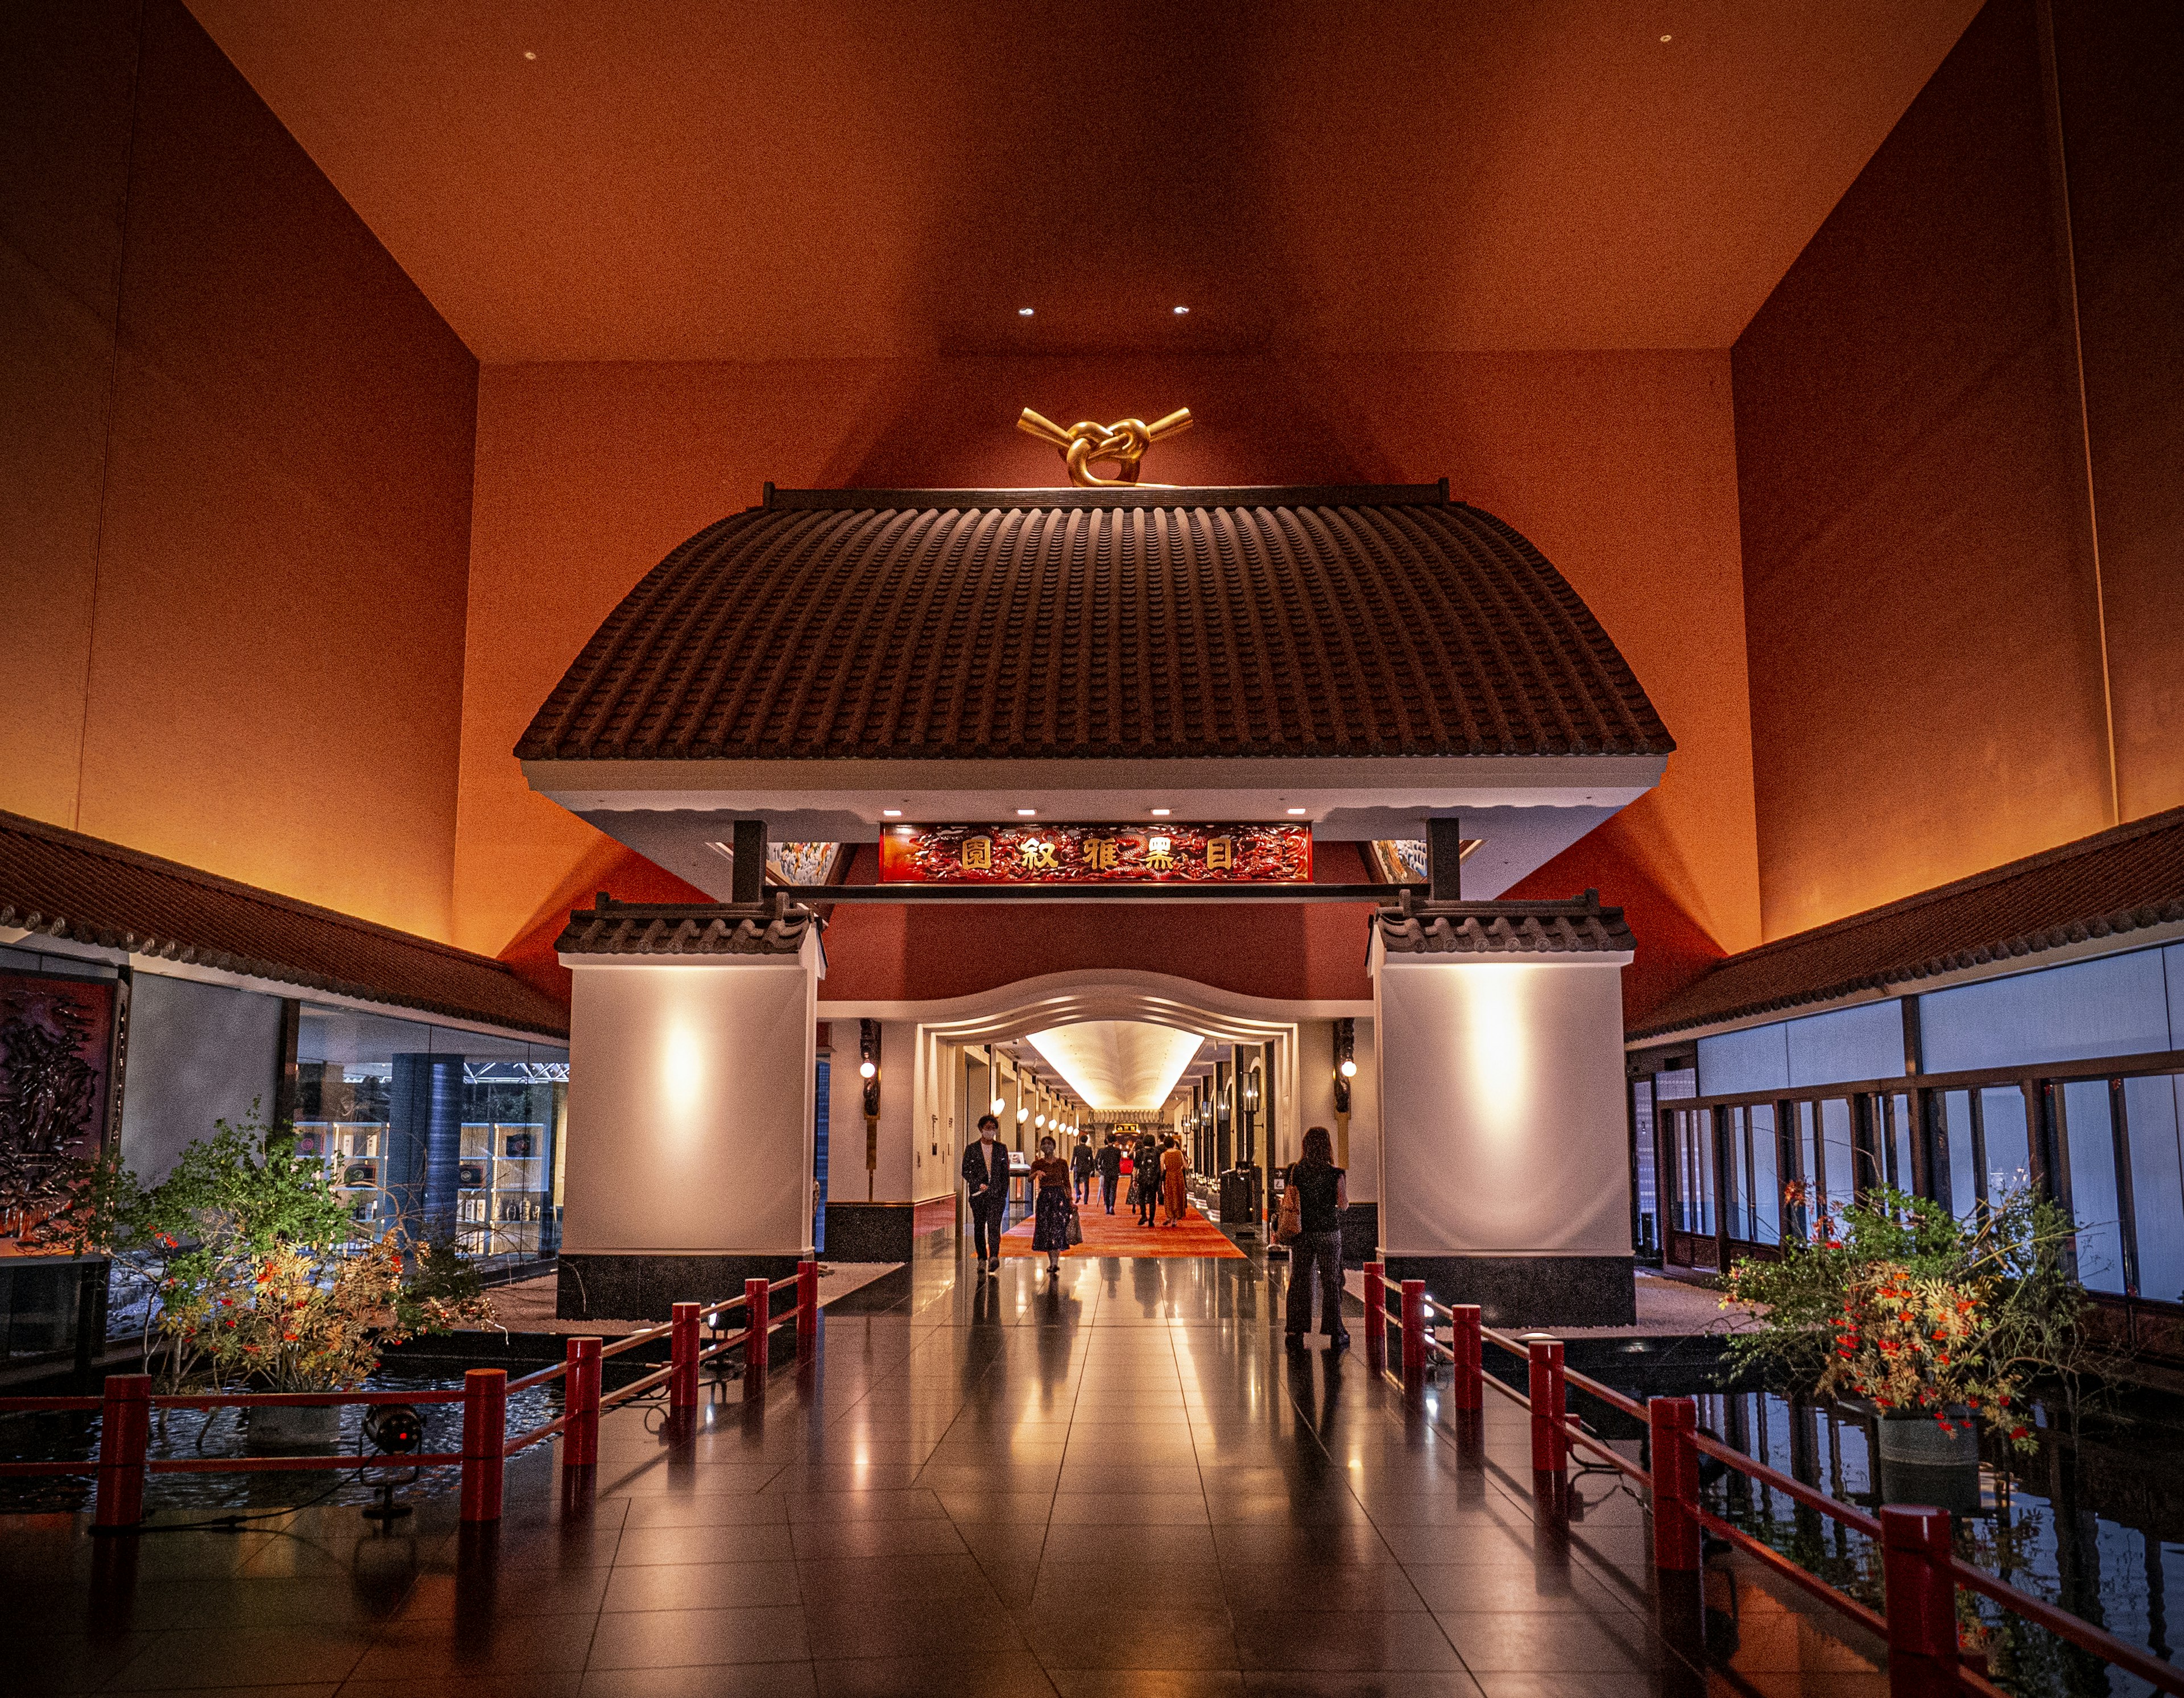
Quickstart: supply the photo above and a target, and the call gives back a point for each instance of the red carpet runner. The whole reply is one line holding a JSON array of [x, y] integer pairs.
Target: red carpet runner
[[1118, 1234]]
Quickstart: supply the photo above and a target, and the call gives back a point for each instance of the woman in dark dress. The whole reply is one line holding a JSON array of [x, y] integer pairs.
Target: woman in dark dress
[[1316, 1250], [1049, 1230]]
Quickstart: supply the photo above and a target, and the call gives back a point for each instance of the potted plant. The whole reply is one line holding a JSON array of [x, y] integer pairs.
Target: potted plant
[[257, 1283], [1935, 1324]]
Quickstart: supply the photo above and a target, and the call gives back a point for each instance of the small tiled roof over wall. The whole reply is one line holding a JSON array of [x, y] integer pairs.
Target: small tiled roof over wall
[[61, 884], [1081, 623], [2111, 884]]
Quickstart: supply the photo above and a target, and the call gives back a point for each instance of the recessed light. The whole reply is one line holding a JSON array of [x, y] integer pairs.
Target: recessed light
[[1181, 311], [1668, 38], [890, 813], [533, 56], [1296, 810], [1162, 812], [1023, 312], [1026, 812]]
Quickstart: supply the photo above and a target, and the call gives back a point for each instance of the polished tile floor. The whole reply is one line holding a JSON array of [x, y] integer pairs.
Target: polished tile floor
[[1113, 1483]]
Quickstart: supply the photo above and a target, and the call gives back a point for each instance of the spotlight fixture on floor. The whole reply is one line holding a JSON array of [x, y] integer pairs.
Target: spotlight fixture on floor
[[393, 1429]]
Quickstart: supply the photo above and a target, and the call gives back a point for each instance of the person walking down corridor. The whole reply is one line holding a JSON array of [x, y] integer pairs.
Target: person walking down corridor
[[1049, 1230], [1316, 1253], [1110, 1171], [986, 1172], [1173, 1196], [1081, 1164], [1145, 1169]]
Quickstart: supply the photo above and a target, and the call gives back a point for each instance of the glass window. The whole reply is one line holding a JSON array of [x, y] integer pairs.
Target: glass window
[[1838, 1167], [2118, 1005], [2009, 1151], [1861, 1042], [2091, 1136], [1766, 1180], [444, 1133], [1756, 1058], [1641, 1132], [1902, 1111], [1967, 1184], [2157, 1184]]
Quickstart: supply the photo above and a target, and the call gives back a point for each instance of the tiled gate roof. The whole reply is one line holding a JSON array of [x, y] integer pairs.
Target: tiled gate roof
[[1377, 621]]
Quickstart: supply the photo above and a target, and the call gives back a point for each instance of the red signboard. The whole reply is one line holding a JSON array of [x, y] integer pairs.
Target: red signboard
[[1030, 854]]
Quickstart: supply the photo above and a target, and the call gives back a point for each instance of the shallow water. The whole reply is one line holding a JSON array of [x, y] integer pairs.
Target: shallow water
[[218, 1432], [2090, 1523]]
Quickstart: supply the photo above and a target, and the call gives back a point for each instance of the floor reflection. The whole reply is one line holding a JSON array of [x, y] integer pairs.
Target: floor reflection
[[1112, 1481]]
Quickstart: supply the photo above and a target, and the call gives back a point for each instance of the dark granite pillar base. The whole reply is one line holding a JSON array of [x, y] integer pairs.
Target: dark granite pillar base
[[646, 1287], [1361, 1234], [871, 1232], [1528, 1291]]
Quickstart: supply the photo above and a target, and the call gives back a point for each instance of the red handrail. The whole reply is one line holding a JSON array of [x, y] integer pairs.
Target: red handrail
[[2162, 1676], [122, 1462]]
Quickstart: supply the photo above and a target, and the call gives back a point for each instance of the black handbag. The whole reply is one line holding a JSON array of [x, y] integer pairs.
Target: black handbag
[[1076, 1233]]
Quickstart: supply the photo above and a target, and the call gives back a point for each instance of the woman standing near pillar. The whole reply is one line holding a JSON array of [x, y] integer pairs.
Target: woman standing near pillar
[[1049, 1229], [1316, 1252], [1172, 1166]]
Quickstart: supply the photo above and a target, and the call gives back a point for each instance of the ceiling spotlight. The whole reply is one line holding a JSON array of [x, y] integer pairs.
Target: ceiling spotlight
[[1296, 810], [533, 56], [1181, 311], [1025, 311], [1162, 812], [1026, 812], [1668, 38], [890, 813]]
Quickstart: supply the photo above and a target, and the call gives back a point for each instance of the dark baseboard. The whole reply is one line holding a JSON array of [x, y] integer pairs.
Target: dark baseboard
[[1528, 1291], [1361, 1234], [647, 1288], [871, 1232]]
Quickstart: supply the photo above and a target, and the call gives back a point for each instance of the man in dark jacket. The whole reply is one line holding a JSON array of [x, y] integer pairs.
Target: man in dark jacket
[[1081, 1164], [986, 1172], [1145, 1162], [1110, 1171]]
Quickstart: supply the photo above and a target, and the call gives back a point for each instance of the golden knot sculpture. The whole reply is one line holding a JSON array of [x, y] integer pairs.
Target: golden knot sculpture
[[1123, 444]]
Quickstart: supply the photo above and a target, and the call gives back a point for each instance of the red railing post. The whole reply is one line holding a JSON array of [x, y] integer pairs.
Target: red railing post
[[758, 1311], [1672, 1422], [579, 1402], [1915, 1558], [1376, 1299], [1414, 1329], [807, 1299], [1468, 1391], [682, 1342], [1549, 1443], [125, 1433], [485, 1442]]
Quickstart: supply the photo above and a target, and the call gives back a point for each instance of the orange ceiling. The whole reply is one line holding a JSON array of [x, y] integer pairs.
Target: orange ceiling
[[693, 179]]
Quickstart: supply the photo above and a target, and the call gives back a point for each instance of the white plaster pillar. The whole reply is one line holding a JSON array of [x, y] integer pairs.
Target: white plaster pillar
[[691, 1124], [1505, 1151]]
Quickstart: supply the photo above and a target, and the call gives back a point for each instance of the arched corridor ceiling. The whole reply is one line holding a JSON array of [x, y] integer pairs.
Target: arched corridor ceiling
[[685, 180], [1118, 1064]]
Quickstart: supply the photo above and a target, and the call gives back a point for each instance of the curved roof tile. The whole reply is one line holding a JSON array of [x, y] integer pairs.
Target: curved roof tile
[[1084, 623]]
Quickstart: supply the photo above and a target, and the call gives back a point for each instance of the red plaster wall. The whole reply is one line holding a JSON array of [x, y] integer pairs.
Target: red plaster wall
[[1925, 627], [1620, 466], [234, 569]]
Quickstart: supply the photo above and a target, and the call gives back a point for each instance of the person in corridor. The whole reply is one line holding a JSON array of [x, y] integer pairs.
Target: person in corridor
[[986, 1172], [1144, 1173], [1110, 1171], [1081, 1164], [1173, 1199], [1049, 1230], [1316, 1253]]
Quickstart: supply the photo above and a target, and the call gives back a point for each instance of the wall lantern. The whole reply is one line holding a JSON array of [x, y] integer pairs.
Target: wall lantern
[[1000, 1103], [868, 1067], [1346, 1069], [1251, 1092]]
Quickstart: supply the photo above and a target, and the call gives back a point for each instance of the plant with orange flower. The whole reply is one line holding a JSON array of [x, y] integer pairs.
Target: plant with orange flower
[[1895, 1301]]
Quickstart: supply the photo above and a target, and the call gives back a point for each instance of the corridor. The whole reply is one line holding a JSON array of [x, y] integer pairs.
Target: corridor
[[1113, 1484]]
